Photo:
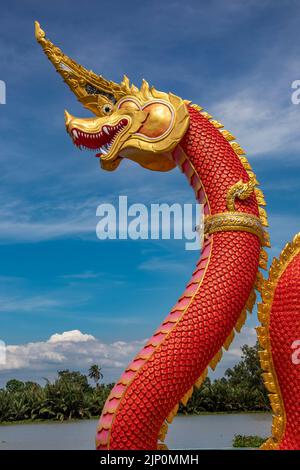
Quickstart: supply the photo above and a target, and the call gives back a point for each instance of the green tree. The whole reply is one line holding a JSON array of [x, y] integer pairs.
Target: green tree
[[14, 385], [67, 377], [31, 386], [241, 389], [95, 373], [247, 374]]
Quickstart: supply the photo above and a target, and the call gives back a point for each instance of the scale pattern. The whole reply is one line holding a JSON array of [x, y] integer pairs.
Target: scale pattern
[[177, 354], [284, 331]]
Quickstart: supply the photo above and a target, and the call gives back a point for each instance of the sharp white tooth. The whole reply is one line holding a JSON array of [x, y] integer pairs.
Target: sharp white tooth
[[105, 130], [75, 133]]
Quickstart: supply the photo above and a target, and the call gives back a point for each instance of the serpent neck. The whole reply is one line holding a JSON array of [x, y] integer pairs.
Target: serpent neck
[[211, 166], [191, 337]]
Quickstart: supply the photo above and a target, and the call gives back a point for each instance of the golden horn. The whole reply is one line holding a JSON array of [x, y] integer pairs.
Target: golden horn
[[86, 85]]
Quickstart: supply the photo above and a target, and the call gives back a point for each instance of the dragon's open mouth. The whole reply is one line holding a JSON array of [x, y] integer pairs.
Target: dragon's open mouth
[[102, 140]]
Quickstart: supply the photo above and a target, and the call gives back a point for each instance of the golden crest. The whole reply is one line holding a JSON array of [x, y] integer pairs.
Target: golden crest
[[152, 122]]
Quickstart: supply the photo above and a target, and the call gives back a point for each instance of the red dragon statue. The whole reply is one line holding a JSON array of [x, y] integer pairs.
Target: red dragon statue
[[161, 131]]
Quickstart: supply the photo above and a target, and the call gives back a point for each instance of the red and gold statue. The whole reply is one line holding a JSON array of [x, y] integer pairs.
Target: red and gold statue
[[161, 131]]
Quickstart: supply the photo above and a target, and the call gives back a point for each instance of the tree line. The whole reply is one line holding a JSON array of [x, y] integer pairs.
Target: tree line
[[72, 396]]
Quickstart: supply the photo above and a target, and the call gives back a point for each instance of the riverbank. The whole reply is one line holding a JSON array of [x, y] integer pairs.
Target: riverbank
[[94, 418], [72, 395], [207, 431]]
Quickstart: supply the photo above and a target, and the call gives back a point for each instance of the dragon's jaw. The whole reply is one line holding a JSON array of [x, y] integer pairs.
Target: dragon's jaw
[[120, 135], [106, 135], [102, 140]]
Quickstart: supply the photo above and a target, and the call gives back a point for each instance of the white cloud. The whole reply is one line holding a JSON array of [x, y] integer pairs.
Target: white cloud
[[70, 349], [73, 336], [260, 124], [77, 350]]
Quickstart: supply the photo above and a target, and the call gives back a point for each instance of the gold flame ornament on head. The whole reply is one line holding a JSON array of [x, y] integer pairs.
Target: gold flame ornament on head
[[141, 124]]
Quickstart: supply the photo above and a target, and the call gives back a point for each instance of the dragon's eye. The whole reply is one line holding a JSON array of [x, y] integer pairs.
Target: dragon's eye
[[107, 108]]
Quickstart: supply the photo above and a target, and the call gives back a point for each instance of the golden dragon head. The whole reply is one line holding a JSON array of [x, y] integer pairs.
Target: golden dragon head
[[141, 124]]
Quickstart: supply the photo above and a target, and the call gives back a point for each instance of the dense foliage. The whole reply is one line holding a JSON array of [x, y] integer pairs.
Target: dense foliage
[[247, 441], [241, 389], [71, 396]]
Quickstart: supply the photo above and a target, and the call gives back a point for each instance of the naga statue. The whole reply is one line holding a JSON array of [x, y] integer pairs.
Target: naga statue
[[161, 131]]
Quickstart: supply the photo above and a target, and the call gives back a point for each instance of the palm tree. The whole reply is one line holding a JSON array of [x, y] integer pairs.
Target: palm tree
[[95, 373]]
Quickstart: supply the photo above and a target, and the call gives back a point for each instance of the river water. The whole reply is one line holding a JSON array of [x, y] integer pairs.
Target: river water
[[214, 431]]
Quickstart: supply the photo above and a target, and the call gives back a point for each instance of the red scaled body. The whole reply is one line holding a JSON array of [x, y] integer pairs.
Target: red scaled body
[[280, 339], [206, 314], [284, 332]]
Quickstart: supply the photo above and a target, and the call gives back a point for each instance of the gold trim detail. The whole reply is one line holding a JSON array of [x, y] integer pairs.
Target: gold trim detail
[[263, 260], [240, 153], [266, 360], [76, 76], [239, 190], [237, 221]]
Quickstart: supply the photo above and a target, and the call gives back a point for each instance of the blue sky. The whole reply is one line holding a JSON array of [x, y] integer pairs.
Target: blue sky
[[235, 58]]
